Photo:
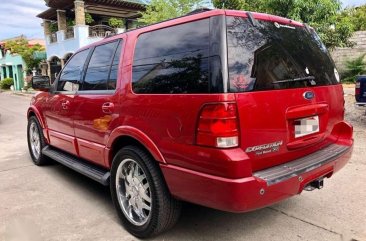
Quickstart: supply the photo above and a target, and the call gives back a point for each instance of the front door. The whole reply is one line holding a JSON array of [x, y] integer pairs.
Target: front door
[[96, 103], [61, 104]]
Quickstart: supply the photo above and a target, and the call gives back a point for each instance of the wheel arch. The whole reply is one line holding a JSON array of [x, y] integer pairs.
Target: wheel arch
[[127, 135], [33, 112]]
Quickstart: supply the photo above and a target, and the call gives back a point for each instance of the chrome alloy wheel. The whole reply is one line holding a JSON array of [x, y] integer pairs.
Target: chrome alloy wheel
[[133, 192], [34, 139]]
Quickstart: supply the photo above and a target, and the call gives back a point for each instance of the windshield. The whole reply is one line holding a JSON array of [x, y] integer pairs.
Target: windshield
[[272, 56]]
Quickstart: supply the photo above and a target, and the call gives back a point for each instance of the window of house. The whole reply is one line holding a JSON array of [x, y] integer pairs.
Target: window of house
[[97, 73], [71, 74], [173, 60]]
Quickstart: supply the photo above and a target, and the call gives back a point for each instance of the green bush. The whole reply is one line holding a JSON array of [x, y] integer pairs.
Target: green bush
[[6, 83], [353, 68], [115, 22]]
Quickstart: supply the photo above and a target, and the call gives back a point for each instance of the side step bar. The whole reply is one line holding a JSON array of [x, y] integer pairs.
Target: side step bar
[[92, 171]]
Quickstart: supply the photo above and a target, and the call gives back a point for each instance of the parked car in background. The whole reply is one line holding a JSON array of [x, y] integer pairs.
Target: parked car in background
[[360, 91], [227, 109]]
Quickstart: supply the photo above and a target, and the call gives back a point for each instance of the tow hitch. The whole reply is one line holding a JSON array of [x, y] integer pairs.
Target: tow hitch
[[315, 184]]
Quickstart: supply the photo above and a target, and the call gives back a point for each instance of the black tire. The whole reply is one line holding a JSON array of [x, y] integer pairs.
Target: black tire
[[41, 159], [165, 209]]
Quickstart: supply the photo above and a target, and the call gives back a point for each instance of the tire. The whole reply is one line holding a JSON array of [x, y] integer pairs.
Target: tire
[[164, 209], [37, 157]]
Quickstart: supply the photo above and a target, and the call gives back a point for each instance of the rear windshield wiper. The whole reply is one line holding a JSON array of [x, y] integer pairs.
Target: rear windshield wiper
[[309, 78]]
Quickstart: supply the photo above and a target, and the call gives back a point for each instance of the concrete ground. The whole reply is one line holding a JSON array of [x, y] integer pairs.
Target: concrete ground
[[55, 203]]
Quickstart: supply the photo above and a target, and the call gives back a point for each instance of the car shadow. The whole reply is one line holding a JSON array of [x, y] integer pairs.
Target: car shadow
[[195, 223]]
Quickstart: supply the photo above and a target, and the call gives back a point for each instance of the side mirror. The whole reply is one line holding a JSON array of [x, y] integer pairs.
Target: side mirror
[[41, 82]]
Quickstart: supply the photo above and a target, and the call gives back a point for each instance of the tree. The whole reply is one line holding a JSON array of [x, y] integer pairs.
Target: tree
[[160, 10], [353, 68], [22, 47], [229, 4], [355, 15], [323, 15]]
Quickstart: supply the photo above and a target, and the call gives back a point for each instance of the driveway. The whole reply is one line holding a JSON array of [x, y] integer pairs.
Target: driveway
[[55, 203]]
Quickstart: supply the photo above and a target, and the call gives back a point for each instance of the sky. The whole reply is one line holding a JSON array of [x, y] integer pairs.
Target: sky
[[19, 17]]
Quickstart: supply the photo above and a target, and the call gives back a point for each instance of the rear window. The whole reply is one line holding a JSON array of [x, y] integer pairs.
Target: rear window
[[272, 56], [173, 60]]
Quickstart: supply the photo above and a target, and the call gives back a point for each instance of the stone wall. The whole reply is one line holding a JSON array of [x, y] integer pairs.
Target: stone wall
[[341, 55]]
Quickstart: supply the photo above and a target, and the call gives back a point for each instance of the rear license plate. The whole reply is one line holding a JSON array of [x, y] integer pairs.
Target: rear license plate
[[306, 126]]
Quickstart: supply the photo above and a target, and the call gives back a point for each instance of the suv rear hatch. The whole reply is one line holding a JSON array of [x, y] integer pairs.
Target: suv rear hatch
[[287, 88]]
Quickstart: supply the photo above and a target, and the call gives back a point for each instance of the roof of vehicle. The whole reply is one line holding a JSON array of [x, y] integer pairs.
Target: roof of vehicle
[[196, 15]]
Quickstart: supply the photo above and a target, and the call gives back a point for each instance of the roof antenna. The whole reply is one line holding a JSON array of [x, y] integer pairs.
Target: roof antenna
[[252, 20]]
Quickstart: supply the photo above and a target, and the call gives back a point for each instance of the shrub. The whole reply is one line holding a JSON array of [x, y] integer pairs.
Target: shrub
[[115, 23], [353, 68], [6, 83]]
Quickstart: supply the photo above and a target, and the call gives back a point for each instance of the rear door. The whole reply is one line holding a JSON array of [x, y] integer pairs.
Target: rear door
[[97, 101], [61, 106], [287, 89]]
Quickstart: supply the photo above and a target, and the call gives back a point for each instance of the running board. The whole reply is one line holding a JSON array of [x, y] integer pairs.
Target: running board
[[92, 171]]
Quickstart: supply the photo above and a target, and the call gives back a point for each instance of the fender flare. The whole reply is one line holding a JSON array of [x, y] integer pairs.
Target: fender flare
[[140, 136], [38, 115]]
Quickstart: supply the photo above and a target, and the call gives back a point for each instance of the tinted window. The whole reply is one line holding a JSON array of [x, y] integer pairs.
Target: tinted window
[[114, 69], [274, 56], [71, 74], [173, 60], [97, 73]]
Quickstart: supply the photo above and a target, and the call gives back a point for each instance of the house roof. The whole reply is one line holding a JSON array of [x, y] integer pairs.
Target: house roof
[[116, 8]]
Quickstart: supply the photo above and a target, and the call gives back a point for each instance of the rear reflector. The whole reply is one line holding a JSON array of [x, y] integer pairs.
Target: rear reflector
[[218, 126], [358, 86]]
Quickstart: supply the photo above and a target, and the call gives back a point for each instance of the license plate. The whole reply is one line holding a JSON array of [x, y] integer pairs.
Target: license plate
[[306, 126]]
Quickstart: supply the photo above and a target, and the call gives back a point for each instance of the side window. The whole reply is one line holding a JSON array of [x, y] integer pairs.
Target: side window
[[112, 82], [173, 60], [97, 73], [71, 74]]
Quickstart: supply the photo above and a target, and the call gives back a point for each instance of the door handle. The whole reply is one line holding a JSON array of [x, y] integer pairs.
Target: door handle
[[65, 104], [108, 108]]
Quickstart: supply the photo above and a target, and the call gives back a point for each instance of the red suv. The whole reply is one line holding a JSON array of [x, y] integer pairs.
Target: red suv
[[227, 109]]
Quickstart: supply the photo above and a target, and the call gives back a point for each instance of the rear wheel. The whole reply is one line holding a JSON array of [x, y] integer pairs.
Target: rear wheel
[[36, 142], [140, 195]]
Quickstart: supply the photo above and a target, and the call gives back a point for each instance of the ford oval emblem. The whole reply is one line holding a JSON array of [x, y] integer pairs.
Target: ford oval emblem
[[309, 95]]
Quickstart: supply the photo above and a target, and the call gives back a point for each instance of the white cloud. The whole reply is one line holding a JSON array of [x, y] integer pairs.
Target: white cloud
[[19, 17]]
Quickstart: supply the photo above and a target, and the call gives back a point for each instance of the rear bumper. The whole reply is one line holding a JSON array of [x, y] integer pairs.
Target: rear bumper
[[263, 188]]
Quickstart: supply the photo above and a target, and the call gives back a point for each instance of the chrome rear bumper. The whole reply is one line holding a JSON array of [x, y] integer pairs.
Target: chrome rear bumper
[[310, 162]]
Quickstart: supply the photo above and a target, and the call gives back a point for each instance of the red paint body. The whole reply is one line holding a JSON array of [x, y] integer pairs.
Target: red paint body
[[165, 124]]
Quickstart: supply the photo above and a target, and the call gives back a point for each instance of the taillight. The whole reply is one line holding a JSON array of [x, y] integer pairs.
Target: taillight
[[358, 86], [218, 126]]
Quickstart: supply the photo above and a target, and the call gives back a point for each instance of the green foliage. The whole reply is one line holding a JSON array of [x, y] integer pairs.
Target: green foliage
[[356, 16], [160, 10], [115, 22], [53, 28], [353, 68], [6, 83], [88, 18], [359, 18], [70, 22], [22, 48], [229, 4], [323, 15]]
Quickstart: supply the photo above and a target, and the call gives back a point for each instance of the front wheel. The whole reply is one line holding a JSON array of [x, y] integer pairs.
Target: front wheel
[[36, 142], [140, 195]]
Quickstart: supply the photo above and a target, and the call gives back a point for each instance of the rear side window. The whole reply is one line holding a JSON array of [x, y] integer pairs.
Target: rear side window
[[71, 74], [173, 60], [275, 56], [98, 71]]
